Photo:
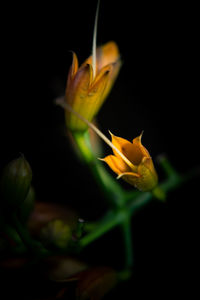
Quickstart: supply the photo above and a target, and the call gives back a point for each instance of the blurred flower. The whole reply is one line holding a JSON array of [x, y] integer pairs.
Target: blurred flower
[[138, 170], [45, 212], [15, 182], [62, 268], [56, 233], [95, 283], [92, 283], [89, 85]]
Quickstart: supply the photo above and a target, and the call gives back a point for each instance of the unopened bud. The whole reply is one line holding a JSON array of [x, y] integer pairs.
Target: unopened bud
[[27, 206], [56, 233], [15, 182]]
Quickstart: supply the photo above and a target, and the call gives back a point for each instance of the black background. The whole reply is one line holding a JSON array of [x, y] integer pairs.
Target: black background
[[157, 91]]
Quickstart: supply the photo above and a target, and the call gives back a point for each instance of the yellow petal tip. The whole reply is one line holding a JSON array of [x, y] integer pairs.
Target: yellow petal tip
[[110, 133]]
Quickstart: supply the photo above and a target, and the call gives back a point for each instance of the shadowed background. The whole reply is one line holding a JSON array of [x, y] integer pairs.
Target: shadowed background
[[156, 91]]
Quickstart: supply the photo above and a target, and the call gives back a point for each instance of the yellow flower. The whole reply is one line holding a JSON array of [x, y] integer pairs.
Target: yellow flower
[[89, 85], [138, 170]]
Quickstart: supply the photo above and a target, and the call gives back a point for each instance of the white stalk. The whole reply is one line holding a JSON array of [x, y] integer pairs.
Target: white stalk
[[94, 43]]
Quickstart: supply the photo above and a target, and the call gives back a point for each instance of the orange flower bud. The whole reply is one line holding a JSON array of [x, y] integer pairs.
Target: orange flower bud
[[139, 171], [87, 88]]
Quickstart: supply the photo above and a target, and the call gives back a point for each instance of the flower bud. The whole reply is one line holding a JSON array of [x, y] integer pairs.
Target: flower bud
[[87, 88], [27, 206], [56, 233], [15, 182], [95, 283]]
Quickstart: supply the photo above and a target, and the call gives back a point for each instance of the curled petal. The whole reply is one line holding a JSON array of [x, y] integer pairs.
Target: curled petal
[[96, 92], [131, 178], [116, 164], [82, 80], [107, 54], [77, 92], [72, 71], [128, 175], [126, 148], [112, 77], [79, 85], [74, 66], [139, 148]]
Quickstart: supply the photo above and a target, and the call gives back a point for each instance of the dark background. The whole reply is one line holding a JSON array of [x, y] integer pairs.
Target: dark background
[[157, 91]]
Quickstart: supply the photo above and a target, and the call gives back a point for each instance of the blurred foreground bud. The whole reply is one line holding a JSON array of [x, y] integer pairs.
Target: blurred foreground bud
[[56, 233], [60, 268], [27, 206], [135, 165], [95, 283], [45, 212], [15, 182], [89, 85]]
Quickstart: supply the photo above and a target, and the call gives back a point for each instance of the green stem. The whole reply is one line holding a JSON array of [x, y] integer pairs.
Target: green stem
[[34, 246], [127, 203], [136, 204], [106, 182], [114, 219], [84, 147], [167, 166], [132, 206], [110, 187], [126, 229]]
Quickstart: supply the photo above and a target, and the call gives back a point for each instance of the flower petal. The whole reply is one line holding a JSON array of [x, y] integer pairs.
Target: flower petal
[[76, 93], [106, 54], [139, 148], [94, 98], [116, 164], [103, 71], [112, 77], [129, 174], [78, 87], [74, 66], [126, 148], [130, 177], [72, 71]]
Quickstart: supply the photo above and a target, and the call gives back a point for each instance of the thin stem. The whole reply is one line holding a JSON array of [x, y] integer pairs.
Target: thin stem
[[107, 183], [34, 246], [167, 166], [126, 229], [94, 43], [136, 204], [103, 227], [111, 189], [83, 146], [131, 207]]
